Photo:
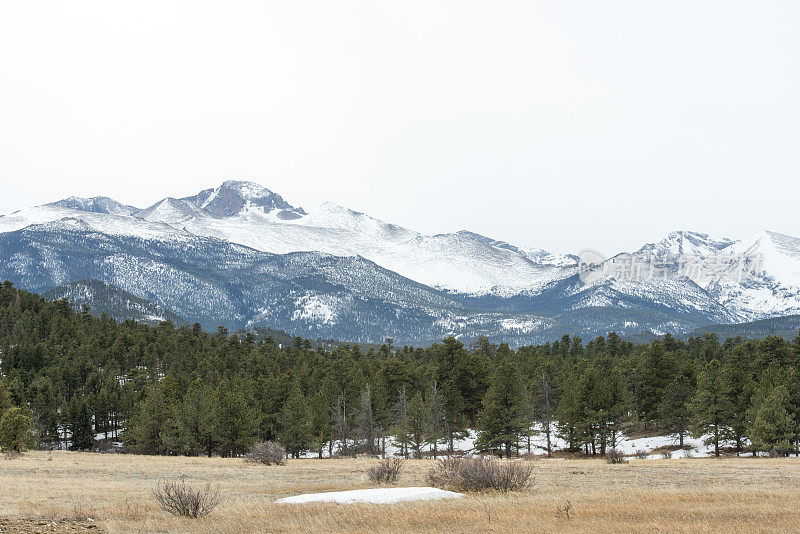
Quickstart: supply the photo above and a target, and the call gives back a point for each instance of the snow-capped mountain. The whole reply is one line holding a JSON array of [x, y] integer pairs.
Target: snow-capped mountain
[[685, 243], [241, 255], [768, 284], [97, 205], [250, 215]]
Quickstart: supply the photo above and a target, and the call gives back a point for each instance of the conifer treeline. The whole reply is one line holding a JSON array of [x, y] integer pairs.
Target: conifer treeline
[[162, 390]]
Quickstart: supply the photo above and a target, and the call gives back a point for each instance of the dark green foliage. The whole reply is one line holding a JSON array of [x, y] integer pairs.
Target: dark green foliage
[[710, 408], [772, 427], [181, 390], [502, 420], [16, 431], [296, 424]]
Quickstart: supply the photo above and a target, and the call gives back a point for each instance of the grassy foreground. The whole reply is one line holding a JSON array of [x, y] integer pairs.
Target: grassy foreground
[[693, 495]]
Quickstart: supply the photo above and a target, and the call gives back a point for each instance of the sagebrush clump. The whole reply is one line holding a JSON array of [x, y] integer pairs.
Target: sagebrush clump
[[178, 498], [386, 471], [616, 456], [268, 453], [479, 474]]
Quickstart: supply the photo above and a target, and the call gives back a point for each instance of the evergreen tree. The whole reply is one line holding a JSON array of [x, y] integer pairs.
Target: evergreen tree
[[16, 430], [296, 424], [365, 421], [400, 425], [546, 409], [341, 423], [235, 419], [417, 423], [772, 428], [674, 414], [321, 430], [502, 419], [437, 417], [195, 422], [147, 426], [737, 389], [710, 407]]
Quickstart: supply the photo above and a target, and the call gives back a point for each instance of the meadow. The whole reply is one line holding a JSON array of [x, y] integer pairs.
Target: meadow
[[72, 491]]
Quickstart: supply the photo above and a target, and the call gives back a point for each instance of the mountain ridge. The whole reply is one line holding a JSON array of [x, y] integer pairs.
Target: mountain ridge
[[479, 285]]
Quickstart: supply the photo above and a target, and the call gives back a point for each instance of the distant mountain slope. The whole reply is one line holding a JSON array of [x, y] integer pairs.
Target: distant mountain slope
[[242, 256], [787, 327], [215, 282], [101, 298], [97, 205], [251, 215]]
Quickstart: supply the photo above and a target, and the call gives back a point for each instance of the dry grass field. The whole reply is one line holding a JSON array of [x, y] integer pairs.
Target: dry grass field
[[49, 492]]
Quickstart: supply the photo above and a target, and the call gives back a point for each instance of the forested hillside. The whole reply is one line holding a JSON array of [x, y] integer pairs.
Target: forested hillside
[[83, 381]]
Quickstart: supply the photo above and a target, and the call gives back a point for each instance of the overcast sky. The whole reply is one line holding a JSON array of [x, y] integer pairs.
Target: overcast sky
[[558, 124]]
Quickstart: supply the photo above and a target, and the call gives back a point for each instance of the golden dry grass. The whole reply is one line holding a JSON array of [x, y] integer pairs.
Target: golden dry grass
[[693, 495]]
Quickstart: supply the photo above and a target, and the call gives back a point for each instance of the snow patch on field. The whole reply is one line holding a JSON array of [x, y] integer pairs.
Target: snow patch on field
[[374, 496]]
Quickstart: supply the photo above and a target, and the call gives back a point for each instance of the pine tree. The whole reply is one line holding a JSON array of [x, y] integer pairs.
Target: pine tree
[[655, 372], [296, 424], [502, 419], [195, 421], [418, 423], [235, 419], [321, 430], [16, 430], [609, 405], [737, 389], [146, 428], [365, 421], [673, 411], [437, 417], [400, 422], [82, 437], [709, 406], [341, 422], [546, 409], [772, 427]]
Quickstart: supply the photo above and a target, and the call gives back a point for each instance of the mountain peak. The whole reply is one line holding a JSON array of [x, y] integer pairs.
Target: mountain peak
[[687, 242], [235, 196], [96, 205]]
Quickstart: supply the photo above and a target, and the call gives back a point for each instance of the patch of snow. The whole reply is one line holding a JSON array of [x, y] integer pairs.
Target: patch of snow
[[374, 496]]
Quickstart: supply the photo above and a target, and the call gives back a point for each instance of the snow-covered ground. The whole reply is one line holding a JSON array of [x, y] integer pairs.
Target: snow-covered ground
[[538, 446], [374, 496]]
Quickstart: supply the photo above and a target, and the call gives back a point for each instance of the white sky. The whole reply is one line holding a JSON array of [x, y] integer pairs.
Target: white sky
[[558, 124]]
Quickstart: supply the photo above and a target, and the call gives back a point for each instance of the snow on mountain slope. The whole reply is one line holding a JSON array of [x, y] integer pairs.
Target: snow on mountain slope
[[461, 262], [686, 243], [101, 297], [687, 278], [766, 281], [250, 215], [170, 211], [97, 205], [233, 196]]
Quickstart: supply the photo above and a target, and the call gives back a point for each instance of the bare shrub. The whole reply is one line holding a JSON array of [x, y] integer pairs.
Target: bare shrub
[[386, 471], [268, 453], [178, 498], [616, 456], [79, 513], [641, 454], [562, 512], [478, 474]]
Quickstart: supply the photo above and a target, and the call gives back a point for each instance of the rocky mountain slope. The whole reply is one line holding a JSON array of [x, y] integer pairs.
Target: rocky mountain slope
[[241, 256]]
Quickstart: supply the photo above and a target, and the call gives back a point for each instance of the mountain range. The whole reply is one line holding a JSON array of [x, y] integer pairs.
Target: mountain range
[[239, 255]]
